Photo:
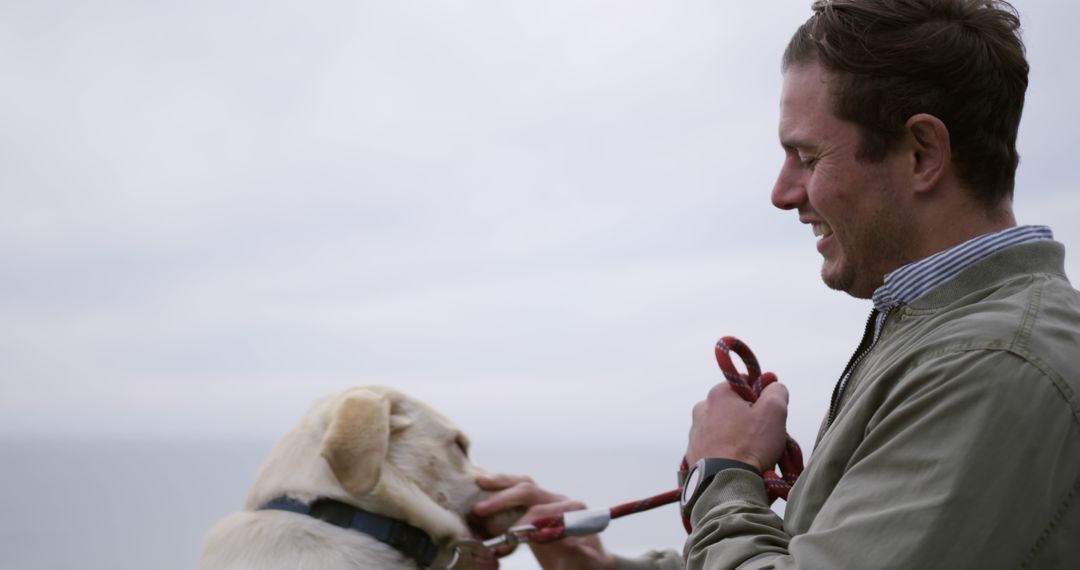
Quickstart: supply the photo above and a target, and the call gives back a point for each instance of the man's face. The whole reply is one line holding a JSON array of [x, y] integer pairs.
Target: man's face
[[857, 209]]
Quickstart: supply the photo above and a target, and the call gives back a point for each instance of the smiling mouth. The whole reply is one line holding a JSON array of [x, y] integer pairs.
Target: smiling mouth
[[821, 230]]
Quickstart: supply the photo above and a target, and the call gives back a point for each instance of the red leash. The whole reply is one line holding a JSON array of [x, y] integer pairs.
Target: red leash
[[579, 523], [749, 386]]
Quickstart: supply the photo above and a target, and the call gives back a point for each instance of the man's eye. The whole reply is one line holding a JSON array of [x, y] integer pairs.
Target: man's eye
[[807, 161]]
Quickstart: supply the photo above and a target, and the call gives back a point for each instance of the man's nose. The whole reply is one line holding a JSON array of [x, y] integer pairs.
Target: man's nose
[[789, 192]]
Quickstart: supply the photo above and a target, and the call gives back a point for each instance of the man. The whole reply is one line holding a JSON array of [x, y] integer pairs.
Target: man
[[953, 437]]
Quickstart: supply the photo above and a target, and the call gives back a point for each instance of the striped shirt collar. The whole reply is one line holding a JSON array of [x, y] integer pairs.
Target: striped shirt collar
[[911, 281]]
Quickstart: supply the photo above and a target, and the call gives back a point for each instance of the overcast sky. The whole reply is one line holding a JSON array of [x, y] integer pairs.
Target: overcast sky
[[537, 216]]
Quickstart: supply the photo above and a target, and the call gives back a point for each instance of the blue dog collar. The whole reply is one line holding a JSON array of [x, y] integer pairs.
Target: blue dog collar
[[407, 539]]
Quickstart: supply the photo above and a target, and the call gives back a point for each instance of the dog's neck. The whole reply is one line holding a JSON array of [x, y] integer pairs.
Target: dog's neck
[[395, 496], [398, 496], [296, 469], [403, 537]]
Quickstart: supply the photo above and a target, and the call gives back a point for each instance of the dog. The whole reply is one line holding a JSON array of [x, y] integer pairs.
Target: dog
[[369, 458]]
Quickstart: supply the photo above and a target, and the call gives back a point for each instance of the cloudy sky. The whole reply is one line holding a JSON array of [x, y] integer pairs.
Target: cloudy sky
[[537, 216]]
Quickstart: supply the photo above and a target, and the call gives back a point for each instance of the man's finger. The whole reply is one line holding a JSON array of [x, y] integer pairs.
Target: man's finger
[[500, 481], [775, 394], [524, 494], [722, 392], [551, 509]]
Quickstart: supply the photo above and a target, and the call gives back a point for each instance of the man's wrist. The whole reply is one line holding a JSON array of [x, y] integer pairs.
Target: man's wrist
[[701, 475]]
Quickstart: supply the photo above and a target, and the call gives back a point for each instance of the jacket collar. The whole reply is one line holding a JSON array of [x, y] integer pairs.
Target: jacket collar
[[911, 281], [1041, 257]]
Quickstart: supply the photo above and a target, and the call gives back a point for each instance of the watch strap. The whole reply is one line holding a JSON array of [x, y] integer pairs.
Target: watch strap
[[702, 474]]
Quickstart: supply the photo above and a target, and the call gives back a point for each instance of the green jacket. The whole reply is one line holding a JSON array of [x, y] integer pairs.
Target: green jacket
[[956, 444]]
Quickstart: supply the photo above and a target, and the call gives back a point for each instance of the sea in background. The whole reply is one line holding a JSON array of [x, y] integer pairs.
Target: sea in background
[[141, 505]]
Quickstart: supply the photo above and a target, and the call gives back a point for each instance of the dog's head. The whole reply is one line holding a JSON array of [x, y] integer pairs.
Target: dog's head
[[382, 451]]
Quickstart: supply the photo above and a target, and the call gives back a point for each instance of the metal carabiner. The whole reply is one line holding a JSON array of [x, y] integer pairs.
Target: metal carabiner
[[461, 550], [512, 537], [465, 549]]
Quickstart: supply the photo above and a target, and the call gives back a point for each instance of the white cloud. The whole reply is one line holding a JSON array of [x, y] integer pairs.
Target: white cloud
[[518, 210]]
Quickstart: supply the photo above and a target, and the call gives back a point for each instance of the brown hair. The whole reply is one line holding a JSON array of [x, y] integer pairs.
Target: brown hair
[[960, 60]]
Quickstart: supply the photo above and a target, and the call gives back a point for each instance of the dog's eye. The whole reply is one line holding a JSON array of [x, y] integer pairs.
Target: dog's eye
[[462, 444]]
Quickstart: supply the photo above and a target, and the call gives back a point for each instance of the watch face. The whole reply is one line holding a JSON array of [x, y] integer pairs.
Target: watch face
[[692, 481]]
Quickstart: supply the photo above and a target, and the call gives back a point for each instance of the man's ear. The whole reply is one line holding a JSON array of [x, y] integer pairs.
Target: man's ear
[[356, 442], [932, 149]]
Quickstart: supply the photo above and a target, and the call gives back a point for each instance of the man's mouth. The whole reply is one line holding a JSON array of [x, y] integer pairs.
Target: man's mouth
[[821, 229]]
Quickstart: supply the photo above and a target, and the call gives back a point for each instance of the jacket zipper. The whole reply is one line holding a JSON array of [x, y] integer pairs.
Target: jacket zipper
[[867, 343]]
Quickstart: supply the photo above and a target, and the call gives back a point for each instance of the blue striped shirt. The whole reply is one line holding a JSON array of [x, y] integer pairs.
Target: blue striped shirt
[[911, 281]]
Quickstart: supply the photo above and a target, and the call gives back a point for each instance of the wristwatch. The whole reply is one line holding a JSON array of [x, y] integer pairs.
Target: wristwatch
[[701, 474]]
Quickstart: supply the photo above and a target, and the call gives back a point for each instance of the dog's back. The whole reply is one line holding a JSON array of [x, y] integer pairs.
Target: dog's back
[[279, 540]]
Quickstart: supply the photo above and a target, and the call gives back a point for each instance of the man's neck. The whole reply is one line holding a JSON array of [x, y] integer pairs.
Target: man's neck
[[946, 227]]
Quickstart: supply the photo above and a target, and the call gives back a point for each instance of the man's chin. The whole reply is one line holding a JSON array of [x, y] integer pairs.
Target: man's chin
[[842, 280], [834, 278]]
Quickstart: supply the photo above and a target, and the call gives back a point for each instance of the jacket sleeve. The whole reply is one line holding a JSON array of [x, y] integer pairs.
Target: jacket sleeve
[[653, 560], [960, 466]]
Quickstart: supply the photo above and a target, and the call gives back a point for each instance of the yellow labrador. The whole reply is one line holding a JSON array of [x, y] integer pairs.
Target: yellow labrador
[[370, 478]]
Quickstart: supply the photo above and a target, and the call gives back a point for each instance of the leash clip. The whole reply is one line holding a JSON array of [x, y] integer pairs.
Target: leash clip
[[462, 550], [511, 538], [465, 549]]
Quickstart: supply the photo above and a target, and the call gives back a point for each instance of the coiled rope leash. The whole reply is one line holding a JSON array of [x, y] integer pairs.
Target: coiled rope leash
[[749, 386], [581, 523]]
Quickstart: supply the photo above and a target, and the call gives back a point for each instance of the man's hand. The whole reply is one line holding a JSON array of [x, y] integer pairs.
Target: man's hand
[[727, 426], [571, 553]]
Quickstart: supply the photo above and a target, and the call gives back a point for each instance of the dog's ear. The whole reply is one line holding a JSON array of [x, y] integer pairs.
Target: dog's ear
[[356, 441], [399, 417]]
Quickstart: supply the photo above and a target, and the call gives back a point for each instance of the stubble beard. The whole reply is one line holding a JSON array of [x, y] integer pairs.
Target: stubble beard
[[873, 251]]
